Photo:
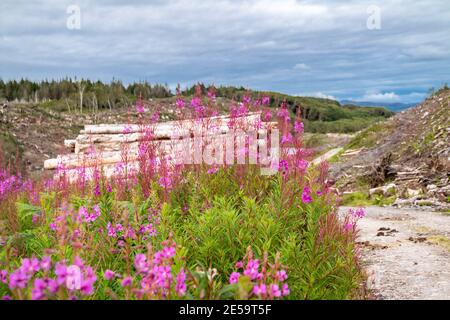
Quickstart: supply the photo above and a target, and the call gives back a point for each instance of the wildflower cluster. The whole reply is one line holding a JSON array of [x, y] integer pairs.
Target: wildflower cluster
[[268, 281], [40, 279]]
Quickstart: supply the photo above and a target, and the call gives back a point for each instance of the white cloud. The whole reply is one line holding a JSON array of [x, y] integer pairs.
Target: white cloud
[[301, 66], [381, 97], [317, 95]]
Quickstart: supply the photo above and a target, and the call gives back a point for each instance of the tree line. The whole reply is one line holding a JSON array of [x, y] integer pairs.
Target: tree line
[[77, 95]]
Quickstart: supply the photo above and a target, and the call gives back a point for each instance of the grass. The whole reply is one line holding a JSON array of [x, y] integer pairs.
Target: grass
[[440, 241], [362, 199], [369, 137]]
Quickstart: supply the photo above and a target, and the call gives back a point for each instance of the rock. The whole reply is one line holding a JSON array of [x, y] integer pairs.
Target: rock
[[387, 190], [413, 193]]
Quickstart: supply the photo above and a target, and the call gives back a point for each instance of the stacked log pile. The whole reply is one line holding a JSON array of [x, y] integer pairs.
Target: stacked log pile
[[106, 146]]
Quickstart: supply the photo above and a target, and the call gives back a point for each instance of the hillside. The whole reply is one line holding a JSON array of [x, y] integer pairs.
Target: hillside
[[404, 160], [35, 118]]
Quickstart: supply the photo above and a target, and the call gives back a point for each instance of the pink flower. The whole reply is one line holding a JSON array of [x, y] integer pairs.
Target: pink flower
[[267, 115], [111, 230], [46, 263], [180, 103], [306, 195], [180, 287], [3, 276], [275, 290], [348, 226], [252, 269], [140, 107], [155, 117], [234, 277], [284, 167], [169, 252], [260, 290], [126, 282], [37, 293], [266, 100], [302, 165], [61, 273], [165, 182], [196, 102], [287, 138], [281, 275], [213, 170], [238, 265], [109, 274], [140, 262], [359, 213], [283, 113], [285, 290], [299, 127]]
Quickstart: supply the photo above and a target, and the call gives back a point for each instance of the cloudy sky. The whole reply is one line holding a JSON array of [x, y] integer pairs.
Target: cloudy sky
[[316, 48]]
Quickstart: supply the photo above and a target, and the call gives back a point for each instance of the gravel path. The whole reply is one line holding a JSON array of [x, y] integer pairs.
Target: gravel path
[[406, 253]]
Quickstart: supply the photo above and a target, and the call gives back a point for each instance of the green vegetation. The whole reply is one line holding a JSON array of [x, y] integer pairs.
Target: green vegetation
[[362, 199], [369, 137]]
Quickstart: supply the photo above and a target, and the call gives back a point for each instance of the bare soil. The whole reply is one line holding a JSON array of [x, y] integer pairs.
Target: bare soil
[[406, 253]]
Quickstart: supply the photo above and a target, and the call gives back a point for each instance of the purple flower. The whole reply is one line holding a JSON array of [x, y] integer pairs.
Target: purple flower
[[348, 226], [169, 252], [61, 273], [6, 297], [46, 263], [196, 102], [52, 285], [275, 290], [283, 113], [111, 230], [126, 282], [281, 275], [234, 277], [266, 100], [283, 166], [140, 262], [285, 290], [140, 107], [18, 279], [252, 269], [180, 103], [287, 138], [302, 165], [213, 170], [306, 195], [165, 182], [268, 115], [109, 274], [299, 127], [3, 276], [260, 290], [39, 287], [180, 287]]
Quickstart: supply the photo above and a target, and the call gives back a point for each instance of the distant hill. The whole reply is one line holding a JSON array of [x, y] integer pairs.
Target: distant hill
[[319, 115], [396, 107]]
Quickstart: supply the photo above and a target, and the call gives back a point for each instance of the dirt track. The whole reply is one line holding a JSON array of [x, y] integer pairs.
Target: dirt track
[[406, 253]]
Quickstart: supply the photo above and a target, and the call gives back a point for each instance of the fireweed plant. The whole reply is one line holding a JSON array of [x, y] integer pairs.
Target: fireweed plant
[[158, 230]]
